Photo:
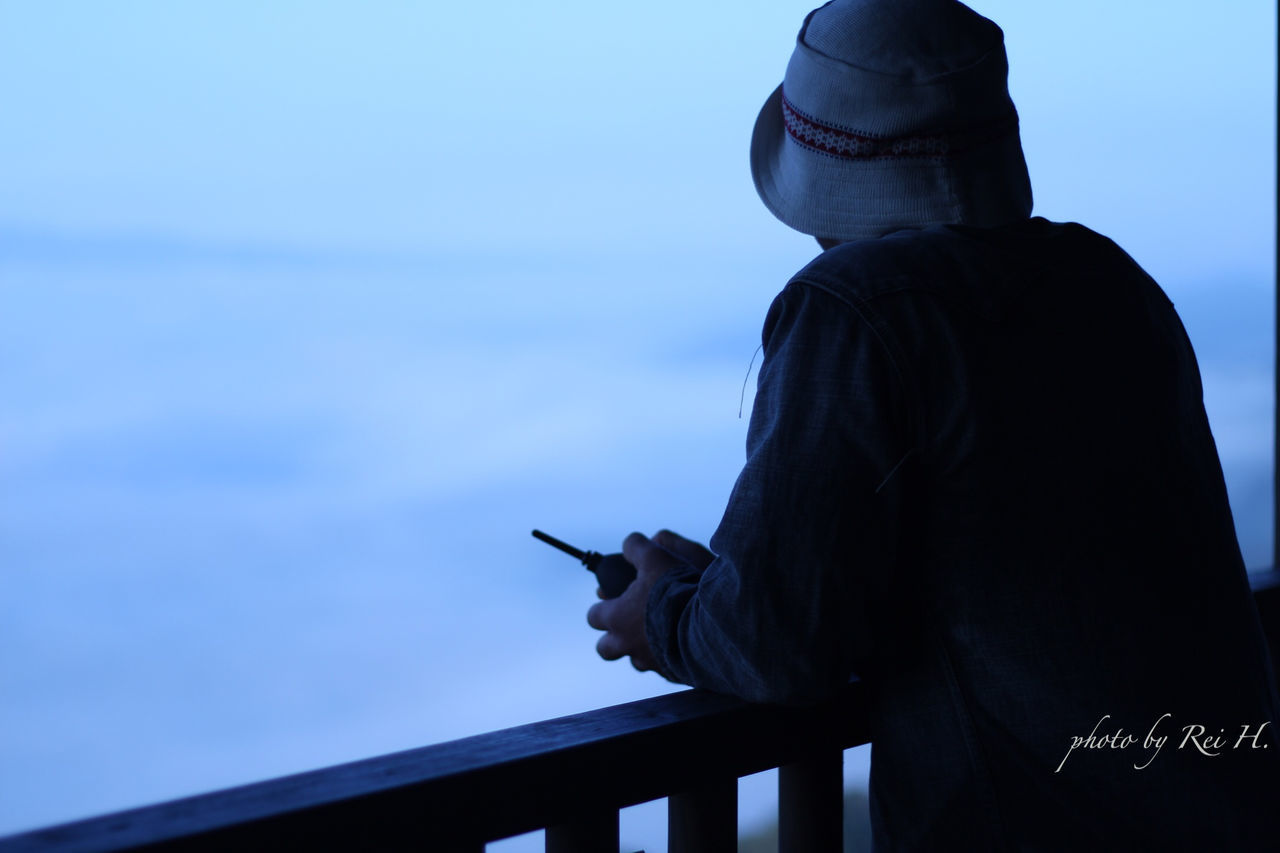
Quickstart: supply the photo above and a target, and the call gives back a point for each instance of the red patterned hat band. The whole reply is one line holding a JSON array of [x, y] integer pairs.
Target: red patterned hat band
[[841, 142], [852, 145]]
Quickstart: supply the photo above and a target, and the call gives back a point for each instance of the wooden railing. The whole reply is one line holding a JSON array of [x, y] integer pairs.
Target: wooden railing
[[569, 775]]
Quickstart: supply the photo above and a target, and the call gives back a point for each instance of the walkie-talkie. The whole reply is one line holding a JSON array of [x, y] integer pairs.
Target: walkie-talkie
[[612, 570]]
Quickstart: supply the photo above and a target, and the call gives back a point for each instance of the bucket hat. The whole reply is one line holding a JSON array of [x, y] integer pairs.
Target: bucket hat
[[892, 114]]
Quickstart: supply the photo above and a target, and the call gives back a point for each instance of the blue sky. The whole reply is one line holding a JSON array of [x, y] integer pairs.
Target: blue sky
[[310, 311]]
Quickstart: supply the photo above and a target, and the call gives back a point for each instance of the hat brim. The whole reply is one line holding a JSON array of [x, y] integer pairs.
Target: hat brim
[[767, 139], [829, 197]]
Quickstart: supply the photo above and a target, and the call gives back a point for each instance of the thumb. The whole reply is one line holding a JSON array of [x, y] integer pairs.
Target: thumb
[[685, 549]]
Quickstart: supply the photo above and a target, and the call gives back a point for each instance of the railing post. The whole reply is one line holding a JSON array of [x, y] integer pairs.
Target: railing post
[[595, 833], [811, 804], [704, 820]]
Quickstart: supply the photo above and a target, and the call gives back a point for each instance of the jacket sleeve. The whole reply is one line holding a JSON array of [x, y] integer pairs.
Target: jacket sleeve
[[807, 545]]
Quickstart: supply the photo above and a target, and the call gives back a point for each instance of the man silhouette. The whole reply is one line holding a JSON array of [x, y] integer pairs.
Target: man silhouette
[[979, 477]]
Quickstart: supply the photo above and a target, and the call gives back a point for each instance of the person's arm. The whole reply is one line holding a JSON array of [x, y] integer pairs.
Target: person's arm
[[808, 542]]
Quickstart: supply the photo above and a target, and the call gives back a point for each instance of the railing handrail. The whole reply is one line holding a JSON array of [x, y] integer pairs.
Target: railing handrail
[[462, 793], [488, 786]]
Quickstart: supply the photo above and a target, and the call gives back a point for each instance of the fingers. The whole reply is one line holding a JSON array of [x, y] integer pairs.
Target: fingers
[[623, 618], [639, 550], [598, 614], [686, 549], [609, 648], [664, 551], [623, 627]]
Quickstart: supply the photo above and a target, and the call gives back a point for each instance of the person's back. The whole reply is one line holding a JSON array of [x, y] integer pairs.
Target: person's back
[[1067, 563], [979, 476]]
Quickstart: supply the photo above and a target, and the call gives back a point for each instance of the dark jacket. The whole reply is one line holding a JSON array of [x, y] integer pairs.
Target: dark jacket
[[980, 477]]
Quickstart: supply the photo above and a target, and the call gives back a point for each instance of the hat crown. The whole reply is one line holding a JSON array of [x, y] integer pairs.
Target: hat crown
[[911, 39]]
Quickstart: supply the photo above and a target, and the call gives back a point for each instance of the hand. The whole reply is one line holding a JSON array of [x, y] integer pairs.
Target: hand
[[622, 618]]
